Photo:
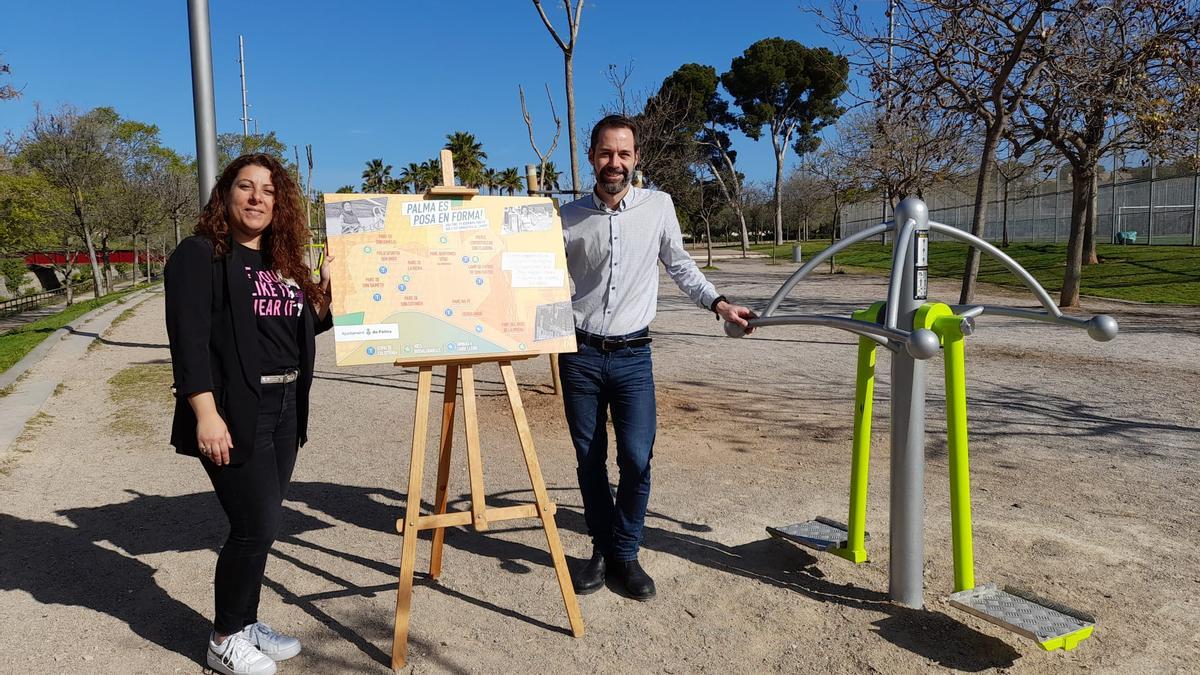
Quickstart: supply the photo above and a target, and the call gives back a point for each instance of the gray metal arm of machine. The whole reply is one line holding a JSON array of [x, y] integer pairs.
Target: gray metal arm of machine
[[1100, 327], [821, 257], [920, 344]]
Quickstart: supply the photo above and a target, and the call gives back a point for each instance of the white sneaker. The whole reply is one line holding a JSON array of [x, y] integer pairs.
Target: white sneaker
[[237, 656], [277, 647]]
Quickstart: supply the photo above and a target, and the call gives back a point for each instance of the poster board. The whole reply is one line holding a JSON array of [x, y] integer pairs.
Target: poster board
[[424, 278]]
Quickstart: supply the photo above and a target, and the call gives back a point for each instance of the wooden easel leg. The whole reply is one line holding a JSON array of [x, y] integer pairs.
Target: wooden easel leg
[[474, 461], [441, 497], [412, 512], [544, 507], [555, 376]]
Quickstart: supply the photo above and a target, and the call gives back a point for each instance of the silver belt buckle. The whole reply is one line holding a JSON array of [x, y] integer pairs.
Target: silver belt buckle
[[283, 378]]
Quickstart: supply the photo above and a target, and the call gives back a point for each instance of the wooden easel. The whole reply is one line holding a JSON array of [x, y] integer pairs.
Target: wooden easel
[[479, 515]]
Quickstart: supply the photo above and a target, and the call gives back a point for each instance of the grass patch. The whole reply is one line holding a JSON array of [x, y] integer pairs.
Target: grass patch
[[19, 342], [34, 425], [123, 317], [140, 393], [1158, 274]]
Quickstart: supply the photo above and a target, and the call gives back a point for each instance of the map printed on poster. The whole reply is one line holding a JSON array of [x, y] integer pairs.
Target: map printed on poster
[[430, 279]]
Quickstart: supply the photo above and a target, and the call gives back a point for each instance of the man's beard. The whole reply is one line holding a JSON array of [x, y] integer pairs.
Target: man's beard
[[615, 187]]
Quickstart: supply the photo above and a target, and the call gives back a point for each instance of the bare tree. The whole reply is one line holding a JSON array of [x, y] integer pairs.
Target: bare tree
[[542, 158], [836, 168], [574, 13], [960, 57], [904, 151], [6, 90], [700, 202], [74, 152], [1118, 75], [1021, 163]]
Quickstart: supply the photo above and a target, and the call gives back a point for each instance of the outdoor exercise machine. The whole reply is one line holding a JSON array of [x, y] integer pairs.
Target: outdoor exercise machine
[[914, 330]]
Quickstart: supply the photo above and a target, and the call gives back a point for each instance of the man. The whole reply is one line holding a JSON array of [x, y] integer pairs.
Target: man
[[614, 239]]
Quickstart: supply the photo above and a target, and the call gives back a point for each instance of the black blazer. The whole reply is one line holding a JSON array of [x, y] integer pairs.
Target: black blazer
[[214, 345]]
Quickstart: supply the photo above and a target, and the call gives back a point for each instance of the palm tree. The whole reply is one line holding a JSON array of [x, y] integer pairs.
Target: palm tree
[[468, 157], [410, 175], [550, 176], [429, 174], [491, 180], [510, 179], [376, 175]]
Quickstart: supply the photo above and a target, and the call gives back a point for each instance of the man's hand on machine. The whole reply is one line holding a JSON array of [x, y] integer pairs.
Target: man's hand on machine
[[735, 314]]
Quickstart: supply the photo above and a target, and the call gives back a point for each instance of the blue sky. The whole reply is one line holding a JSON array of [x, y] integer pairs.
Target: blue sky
[[358, 80]]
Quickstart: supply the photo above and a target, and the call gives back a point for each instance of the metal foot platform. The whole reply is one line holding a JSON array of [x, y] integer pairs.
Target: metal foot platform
[[1050, 624], [822, 534]]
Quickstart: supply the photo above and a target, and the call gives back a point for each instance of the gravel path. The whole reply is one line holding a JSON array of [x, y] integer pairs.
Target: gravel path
[[1084, 474]]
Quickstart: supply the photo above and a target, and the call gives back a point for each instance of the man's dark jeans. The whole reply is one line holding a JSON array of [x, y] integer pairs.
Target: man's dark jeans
[[595, 382]]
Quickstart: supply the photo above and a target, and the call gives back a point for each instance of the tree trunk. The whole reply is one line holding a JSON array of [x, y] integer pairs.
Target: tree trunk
[[175, 217], [733, 198], [97, 289], [837, 215], [106, 270], [1004, 217], [779, 152], [1089, 239], [1080, 180], [708, 241], [983, 184], [574, 141]]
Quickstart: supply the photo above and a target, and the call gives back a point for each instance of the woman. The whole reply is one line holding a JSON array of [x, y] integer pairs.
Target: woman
[[242, 311]]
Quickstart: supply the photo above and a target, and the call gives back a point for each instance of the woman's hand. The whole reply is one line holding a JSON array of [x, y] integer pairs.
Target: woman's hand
[[326, 293], [212, 434], [324, 280], [213, 437]]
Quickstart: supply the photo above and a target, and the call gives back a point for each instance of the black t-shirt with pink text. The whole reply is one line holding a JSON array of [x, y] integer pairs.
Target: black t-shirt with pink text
[[276, 304]]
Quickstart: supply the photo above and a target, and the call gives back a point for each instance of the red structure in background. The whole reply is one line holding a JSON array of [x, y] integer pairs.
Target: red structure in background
[[114, 258]]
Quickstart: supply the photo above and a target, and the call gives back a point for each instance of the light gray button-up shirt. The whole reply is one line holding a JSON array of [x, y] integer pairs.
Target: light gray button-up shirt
[[611, 257]]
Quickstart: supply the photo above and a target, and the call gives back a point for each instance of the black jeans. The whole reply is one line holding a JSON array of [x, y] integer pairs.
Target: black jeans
[[252, 496]]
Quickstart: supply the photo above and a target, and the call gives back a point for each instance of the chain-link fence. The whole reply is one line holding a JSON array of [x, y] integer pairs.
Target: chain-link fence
[[1042, 213]]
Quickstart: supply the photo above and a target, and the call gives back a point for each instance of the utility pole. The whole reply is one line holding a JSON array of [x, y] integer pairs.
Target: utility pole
[[887, 100], [245, 106]]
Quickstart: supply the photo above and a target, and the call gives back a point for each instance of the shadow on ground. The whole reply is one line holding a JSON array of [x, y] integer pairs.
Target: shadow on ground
[[93, 563]]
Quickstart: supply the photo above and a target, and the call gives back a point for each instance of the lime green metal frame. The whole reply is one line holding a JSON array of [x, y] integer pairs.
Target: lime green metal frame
[[948, 327], [864, 395]]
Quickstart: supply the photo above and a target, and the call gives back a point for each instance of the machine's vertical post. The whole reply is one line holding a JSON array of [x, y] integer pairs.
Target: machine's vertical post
[[949, 328], [860, 458], [908, 425]]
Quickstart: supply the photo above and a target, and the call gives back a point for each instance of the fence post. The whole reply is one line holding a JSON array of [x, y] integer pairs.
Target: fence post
[[1196, 208], [1150, 205]]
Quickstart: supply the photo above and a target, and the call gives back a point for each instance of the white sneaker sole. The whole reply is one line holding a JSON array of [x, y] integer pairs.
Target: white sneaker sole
[[283, 654], [215, 663]]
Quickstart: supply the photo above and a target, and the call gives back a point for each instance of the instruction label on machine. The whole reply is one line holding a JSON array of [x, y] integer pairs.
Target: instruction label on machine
[[921, 265]]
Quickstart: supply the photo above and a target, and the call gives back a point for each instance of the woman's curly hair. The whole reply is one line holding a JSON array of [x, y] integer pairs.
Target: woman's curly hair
[[283, 241]]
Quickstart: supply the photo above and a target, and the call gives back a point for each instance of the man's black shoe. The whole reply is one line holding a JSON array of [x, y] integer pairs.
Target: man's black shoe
[[633, 579], [590, 577]]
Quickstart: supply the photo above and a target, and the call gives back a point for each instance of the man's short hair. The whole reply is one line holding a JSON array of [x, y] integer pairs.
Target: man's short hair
[[614, 122]]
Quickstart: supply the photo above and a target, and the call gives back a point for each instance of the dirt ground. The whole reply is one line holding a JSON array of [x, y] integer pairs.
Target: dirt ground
[[1084, 467]]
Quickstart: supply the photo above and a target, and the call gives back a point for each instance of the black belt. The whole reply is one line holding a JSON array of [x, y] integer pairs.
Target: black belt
[[611, 343]]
